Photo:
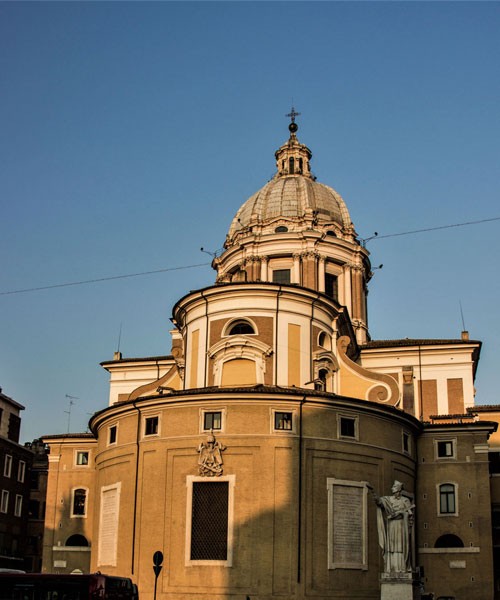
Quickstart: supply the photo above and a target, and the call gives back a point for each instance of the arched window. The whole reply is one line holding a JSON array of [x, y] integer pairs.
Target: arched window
[[281, 229], [449, 541], [292, 165], [77, 540], [325, 341], [79, 503], [331, 233], [241, 328], [447, 499]]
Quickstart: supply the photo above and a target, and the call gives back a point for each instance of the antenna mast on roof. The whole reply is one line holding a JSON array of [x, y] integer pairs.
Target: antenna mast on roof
[[68, 412]]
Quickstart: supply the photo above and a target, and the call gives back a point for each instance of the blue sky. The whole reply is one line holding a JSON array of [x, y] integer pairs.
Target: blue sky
[[132, 133]]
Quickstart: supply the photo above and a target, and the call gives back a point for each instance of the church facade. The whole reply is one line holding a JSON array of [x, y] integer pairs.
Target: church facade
[[253, 453]]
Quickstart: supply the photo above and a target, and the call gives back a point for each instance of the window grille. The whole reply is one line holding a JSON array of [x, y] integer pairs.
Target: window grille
[[281, 276], [209, 525]]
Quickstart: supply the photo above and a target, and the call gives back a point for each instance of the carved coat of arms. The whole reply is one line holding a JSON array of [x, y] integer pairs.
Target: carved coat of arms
[[210, 460]]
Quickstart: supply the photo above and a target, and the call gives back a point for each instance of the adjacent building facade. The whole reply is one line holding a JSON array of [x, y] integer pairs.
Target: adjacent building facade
[[15, 465], [249, 455]]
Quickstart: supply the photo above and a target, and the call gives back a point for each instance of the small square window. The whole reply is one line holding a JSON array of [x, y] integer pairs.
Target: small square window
[[283, 421], [347, 427], [82, 458], [18, 508], [21, 471], [7, 466], [151, 426], [212, 420], [112, 434], [445, 449]]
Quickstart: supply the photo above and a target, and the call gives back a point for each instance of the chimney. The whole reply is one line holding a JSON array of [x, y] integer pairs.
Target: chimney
[[465, 336]]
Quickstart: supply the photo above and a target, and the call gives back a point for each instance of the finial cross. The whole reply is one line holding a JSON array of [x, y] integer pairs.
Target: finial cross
[[292, 114]]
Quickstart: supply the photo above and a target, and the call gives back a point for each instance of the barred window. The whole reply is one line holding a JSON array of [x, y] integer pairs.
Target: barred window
[[281, 276], [209, 520]]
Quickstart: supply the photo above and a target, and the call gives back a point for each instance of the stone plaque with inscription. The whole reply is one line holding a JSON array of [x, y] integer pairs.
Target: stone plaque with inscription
[[347, 524]]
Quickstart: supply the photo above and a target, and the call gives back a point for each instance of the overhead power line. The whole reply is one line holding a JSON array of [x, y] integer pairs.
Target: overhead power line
[[100, 279], [376, 236]]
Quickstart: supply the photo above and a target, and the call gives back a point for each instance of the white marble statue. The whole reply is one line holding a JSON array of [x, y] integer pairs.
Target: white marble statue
[[394, 524]]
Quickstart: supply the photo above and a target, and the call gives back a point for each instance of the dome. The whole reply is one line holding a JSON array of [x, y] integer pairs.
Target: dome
[[293, 195]]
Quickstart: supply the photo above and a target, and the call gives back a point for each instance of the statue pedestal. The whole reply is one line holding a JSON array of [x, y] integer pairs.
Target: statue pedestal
[[399, 586]]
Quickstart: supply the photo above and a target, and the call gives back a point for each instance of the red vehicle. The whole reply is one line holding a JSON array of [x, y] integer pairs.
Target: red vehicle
[[36, 586]]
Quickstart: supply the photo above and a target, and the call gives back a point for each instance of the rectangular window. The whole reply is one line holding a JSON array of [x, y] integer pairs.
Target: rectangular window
[[151, 426], [7, 465], [21, 471], [34, 480], [82, 458], [14, 427], [331, 286], [18, 508], [347, 427], [112, 434], [4, 501], [406, 443], [283, 421], [209, 518], [447, 499], [79, 503], [34, 509], [212, 420], [281, 276], [445, 448]]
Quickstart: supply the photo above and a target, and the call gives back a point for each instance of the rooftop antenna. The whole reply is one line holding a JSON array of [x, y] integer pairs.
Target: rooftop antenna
[[68, 412], [119, 337]]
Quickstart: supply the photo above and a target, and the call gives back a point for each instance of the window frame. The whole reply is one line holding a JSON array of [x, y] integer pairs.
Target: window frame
[[18, 506], [113, 428], [405, 435], [279, 270], [190, 479], [4, 502], [439, 495], [85, 506], [150, 418], [274, 429], [221, 411], [355, 419], [453, 445], [78, 454], [7, 465], [21, 471], [226, 332]]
